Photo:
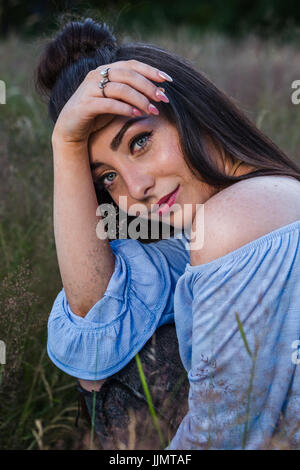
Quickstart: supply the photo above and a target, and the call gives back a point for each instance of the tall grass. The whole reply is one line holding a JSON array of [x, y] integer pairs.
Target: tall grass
[[37, 401], [149, 400]]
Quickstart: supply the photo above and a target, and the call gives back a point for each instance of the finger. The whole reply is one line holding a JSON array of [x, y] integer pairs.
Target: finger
[[121, 91], [139, 82], [111, 106], [147, 70]]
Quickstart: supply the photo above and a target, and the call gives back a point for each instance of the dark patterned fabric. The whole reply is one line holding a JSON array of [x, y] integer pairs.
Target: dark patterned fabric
[[122, 416]]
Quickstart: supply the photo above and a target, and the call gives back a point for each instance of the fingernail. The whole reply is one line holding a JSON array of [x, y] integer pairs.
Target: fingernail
[[165, 76], [136, 112], [161, 88], [152, 109], [162, 96]]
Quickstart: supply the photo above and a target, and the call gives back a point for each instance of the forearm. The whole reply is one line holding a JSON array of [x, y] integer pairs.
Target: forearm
[[86, 262]]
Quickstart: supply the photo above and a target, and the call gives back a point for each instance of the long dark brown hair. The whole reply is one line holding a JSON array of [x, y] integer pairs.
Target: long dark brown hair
[[197, 107]]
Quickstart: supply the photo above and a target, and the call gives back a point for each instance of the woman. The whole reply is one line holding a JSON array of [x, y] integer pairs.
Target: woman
[[135, 124]]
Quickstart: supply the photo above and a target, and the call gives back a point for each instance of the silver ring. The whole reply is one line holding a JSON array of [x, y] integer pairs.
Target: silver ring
[[102, 85], [102, 89], [104, 73], [104, 82]]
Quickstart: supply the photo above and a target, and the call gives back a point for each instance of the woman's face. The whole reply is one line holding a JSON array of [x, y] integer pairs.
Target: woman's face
[[139, 161]]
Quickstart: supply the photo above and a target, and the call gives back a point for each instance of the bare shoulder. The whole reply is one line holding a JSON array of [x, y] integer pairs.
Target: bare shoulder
[[244, 212]]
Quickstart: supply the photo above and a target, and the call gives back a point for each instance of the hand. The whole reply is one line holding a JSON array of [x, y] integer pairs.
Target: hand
[[128, 91]]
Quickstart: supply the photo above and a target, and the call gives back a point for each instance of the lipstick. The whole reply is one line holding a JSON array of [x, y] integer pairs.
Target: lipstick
[[167, 201]]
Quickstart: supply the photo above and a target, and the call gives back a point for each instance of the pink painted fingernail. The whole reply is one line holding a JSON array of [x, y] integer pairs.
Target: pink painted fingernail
[[165, 76], [160, 94], [136, 112], [152, 109]]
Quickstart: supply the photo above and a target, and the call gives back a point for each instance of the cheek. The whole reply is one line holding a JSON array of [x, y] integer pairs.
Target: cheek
[[169, 161], [122, 199]]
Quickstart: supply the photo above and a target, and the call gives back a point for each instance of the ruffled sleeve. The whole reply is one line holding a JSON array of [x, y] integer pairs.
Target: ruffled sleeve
[[237, 319], [138, 299]]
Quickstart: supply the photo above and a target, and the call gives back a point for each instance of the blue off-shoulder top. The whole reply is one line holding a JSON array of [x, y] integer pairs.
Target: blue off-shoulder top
[[139, 298], [238, 325]]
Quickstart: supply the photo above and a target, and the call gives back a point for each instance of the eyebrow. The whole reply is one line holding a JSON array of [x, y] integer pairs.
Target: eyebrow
[[116, 142]]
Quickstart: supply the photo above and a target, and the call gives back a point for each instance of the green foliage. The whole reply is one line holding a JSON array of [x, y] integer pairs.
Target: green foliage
[[265, 17]]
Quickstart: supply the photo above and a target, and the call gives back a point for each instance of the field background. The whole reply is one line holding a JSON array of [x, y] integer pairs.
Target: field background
[[38, 402]]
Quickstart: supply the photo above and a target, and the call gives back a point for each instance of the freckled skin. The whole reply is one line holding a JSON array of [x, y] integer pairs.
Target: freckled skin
[[158, 168], [150, 173]]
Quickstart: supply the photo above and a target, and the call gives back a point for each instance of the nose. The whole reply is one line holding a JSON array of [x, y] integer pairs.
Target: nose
[[139, 183]]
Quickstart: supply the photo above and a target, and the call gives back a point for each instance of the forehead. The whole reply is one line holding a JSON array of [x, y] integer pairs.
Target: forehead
[[102, 139], [108, 131]]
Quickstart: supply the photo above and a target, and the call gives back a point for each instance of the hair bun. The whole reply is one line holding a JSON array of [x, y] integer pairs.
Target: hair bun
[[77, 40]]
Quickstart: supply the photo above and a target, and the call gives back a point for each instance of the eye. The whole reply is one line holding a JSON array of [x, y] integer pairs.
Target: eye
[[106, 176], [140, 141]]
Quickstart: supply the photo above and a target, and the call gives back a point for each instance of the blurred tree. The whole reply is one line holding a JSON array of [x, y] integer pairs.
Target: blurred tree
[[265, 17]]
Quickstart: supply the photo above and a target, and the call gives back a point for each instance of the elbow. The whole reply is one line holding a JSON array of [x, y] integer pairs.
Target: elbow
[[81, 312], [82, 309]]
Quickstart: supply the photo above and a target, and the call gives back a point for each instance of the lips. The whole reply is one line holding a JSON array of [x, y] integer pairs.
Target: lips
[[163, 205], [166, 198]]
